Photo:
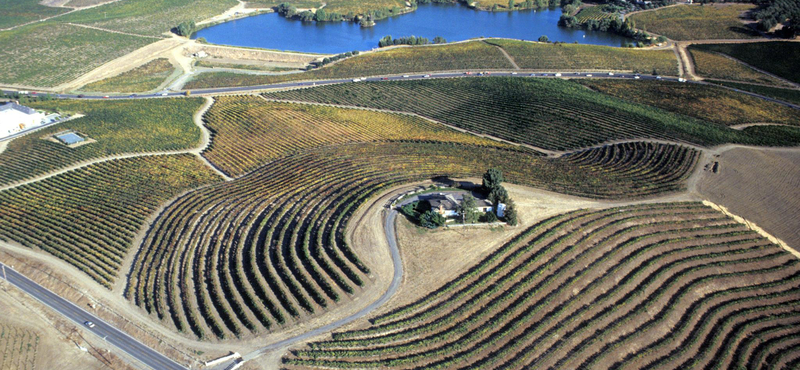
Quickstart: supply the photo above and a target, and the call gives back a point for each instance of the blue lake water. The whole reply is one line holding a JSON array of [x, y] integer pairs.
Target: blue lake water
[[453, 22]]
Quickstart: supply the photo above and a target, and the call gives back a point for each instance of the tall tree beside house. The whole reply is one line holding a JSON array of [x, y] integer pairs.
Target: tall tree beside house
[[492, 179], [431, 220], [511, 213], [469, 210]]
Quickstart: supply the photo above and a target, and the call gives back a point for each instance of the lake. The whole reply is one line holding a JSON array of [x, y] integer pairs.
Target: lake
[[451, 21]]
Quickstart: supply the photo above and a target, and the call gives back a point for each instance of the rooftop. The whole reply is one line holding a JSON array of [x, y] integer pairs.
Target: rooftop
[[70, 138], [17, 107]]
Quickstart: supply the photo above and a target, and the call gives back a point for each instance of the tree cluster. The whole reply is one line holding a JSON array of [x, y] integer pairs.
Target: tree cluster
[[321, 15], [336, 57], [774, 12], [492, 185], [185, 28], [411, 40]]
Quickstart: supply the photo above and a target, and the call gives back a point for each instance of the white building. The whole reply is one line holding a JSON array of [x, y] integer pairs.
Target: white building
[[15, 118]]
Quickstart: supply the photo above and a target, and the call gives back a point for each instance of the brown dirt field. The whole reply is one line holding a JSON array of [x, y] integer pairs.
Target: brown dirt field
[[760, 185], [54, 350]]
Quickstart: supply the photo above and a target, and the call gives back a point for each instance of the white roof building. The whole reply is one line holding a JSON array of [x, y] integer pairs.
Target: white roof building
[[15, 118]]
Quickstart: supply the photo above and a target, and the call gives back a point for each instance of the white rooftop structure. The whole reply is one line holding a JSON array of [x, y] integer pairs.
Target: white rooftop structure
[[15, 118]]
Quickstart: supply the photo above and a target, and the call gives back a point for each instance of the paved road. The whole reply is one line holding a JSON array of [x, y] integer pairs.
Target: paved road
[[416, 76], [397, 278], [119, 339]]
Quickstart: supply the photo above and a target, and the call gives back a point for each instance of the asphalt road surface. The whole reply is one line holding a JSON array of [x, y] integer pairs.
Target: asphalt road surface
[[112, 335]]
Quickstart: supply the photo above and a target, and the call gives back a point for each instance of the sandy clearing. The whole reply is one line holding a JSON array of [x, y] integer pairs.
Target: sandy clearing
[[761, 185], [746, 125], [237, 11]]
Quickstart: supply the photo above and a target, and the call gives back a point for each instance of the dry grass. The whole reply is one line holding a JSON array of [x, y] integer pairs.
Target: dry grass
[[712, 65], [696, 22], [51, 54], [144, 78]]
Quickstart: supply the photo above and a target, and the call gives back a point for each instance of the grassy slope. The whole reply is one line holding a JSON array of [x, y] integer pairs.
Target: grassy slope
[[695, 22], [779, 58], [143, 78], [16, 12], [52, 53], [709, 103], [592, 57], [469, 55], [552, 114], [149, 17], [788, 95], [118, 127], [712, 65]]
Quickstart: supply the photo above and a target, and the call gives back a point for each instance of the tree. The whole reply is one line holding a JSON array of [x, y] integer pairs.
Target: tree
[[511, 213], [498, 195], [185, 28], [431, 220], [511, 4], [469, 209], [492, 179], [544, 38], [491, 217], [439, 40]]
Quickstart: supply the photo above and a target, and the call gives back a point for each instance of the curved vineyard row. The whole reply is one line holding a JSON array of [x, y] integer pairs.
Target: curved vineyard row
[[268, 249], [551, 114], [673, 285], [594, 13], [249, 131], [18, 348], [90, 216], [121, 126]]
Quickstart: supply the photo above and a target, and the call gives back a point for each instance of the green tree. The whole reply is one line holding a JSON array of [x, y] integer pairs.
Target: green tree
[[498, 195], [490, 217], [469, 210], [544, 38], [185, 28], [511, 4], [492, 179], [511, 213], [431, 220]]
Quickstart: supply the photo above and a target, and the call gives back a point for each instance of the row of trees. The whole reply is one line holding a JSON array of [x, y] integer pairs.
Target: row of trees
[[321, 15], [186, 28], [411, 40]]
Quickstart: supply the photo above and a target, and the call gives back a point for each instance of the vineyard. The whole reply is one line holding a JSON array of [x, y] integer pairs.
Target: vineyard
[[466, 55], [593, 13], [130, 126], [531, 111], [90, 216], [651, 286], [774, 57], [143, 78], [704, 102], [49, 54], [560, 57], [249, 131], [787, 95], [713, 65], [21, 12], [18, 348], [695, 22], [268, 249]]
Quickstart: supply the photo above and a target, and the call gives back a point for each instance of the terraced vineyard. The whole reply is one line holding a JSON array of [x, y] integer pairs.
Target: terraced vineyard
[[18, 348], [90, 216], [594, 13], [551, 114], [675, 285], [249, 131], [131, 126], [268, 249]]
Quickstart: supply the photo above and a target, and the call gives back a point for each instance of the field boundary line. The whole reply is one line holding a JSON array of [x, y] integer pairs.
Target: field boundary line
[[791, 83], [752, 226], [510, 59], [205, 138]]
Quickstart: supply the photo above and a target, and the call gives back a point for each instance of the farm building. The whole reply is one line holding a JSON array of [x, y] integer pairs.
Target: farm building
[[447, 204], [15, 118]]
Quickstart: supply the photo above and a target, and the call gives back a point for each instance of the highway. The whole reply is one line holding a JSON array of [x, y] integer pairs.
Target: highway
[[110, 334]]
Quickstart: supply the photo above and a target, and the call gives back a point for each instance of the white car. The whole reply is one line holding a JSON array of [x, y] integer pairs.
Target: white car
[[588, 75], [89, 324], [513, 73], [164, 94], [426, 76], [681, 80], [658, 77], [636, 77], [558, 74], [356, 80], [405, 76], [610, 73]]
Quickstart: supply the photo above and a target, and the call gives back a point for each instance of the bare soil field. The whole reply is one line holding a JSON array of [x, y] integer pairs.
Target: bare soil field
[[761, 185], [30, 340]]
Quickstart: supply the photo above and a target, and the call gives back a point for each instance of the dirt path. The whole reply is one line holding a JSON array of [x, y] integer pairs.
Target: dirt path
[[112, 31], [510, 59], [205, 140], [685, 60], [746, 125]]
